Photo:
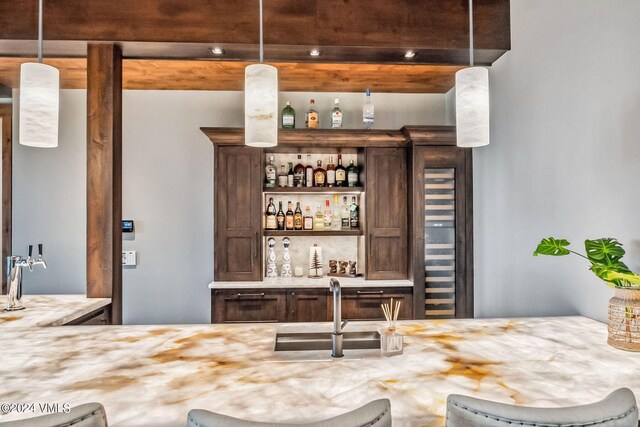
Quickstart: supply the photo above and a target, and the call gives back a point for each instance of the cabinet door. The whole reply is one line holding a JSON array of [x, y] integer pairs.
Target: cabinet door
[[364, 304], [248, 305], [386, 213], [238, 214], [307, 305]]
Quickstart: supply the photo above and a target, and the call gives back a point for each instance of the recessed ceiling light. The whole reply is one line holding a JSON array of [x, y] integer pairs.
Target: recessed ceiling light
[[409, 54], [314, 52], [217, 51]]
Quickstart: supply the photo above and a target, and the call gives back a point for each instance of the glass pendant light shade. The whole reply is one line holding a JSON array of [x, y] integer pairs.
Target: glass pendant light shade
[[39, 105], [261, 105], [472, 107]]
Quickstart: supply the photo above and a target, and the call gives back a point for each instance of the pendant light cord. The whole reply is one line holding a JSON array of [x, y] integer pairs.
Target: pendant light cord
[[261, 49], [40, 31], [471, 59]]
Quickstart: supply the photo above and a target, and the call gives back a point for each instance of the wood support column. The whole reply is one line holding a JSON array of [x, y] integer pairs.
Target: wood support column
[[7, 162], [104, 175]]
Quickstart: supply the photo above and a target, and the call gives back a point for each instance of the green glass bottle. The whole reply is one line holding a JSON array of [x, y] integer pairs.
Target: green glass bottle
[[352, 175], [288, 117]]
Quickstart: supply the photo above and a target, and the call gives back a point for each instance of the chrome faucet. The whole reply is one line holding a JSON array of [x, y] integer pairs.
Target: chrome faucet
[[15, 264], [338, 324]]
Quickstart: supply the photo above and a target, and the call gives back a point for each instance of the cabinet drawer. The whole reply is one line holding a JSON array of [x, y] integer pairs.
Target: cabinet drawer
[[248, 305], [364, 304], [307, 305]]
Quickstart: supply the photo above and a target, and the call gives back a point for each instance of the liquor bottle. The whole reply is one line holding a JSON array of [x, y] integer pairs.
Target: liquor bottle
[[368, 111], [272, 223], [288, 117], [352, 175], [328, 215], [271, 172], [336, 115], [297, 218], [354, 220], [298, 173], [335, 214], [280, 217], [345, 214], [308, 173], [341, 173], [288, 219], [282, 177], [331, 173], [319, 176], [312, 118], [308, 219], [290, 176], [318, 219]]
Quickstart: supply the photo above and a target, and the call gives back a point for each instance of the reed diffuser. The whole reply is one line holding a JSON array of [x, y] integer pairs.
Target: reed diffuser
[[391, 342]]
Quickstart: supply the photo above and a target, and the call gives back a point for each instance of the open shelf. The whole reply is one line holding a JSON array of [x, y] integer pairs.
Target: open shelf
[[292, 233], [313, 190]]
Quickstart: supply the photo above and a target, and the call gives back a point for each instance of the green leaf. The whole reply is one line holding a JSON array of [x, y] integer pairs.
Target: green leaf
[[606, 251], [616, 276], [552, 246]]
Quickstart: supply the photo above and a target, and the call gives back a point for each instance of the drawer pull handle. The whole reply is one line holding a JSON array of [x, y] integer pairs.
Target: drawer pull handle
[[370, 292], [251, 295]]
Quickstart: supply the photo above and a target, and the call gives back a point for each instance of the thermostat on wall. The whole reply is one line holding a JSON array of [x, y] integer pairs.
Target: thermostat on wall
[[127, 226]]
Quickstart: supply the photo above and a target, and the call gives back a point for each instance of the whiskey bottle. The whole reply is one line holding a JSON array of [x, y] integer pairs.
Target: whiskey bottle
[[328, 215], [290, 176], [331, 173], [352, 175], [367, 111], [297, 218], [354, 220], [271, 172], [288, 219], [272, 223], [312, 118], [345, 214], [282, 177], [280, 217], [319, 176], [318, 220], [308, 173], [308, 219], [288, 117], [298, 173], [341, 173], [336, 115]]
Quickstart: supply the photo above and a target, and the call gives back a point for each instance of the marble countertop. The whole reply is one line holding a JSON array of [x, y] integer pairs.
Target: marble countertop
[[49, 310], [305, 282], [153, 375]]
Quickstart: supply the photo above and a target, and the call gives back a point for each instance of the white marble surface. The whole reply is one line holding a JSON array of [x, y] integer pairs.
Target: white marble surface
[[49, 310], [305, 282], [153, 375]]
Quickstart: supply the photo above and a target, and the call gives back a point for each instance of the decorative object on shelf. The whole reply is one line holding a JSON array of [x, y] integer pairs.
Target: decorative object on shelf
[[605, 256], [298, 272], [472, 100], [271, 258], [315, 262], [261, 101], [39, 100], [333, 266], [343, 267], [391, 343], [286, 258], [341, 271], [352, 268]]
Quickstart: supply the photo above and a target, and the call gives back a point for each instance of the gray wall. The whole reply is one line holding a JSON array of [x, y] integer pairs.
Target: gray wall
[[167, 190], [564, 155]]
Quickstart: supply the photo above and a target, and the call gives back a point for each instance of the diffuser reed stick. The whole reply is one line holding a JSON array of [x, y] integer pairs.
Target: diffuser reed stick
[[391, 312]]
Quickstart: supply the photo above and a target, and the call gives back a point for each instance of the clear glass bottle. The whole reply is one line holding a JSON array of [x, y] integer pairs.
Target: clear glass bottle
[[341, 173], [280, 217], [318, 219], [290, 176], [308, 173], [308, 219], [328, 215], [336, 115], [272, 222], [331, 173], [270, 172], [312, 118], [297, 218], [336, 221], [288, 117], [352, 175], [298, 173], [345, 214], [368, 111], [282, 177], [354, 218], [288, 218], [319, 176]]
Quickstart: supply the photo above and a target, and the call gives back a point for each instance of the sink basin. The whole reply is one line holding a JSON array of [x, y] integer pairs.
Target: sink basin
[[309, 341]]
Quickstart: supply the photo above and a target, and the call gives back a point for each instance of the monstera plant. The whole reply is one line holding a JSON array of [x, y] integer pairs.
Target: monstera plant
[[604, 255]]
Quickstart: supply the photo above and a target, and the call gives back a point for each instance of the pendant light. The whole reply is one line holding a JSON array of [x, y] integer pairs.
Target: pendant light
[[39, 100], [472, 100], [261, 102]]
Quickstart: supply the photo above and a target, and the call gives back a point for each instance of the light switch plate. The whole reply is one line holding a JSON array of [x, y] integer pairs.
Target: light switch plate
[[128, 257]]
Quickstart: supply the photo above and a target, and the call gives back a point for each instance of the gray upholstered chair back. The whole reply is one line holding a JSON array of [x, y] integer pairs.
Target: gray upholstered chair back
[[619, 409], [87, 415], [373, 414]]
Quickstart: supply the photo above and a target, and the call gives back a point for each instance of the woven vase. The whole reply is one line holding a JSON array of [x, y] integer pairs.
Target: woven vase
[[624, 319]]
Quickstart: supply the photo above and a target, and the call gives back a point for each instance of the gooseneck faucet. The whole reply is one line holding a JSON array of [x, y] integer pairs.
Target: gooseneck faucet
[[338, 324], [15, 264]]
